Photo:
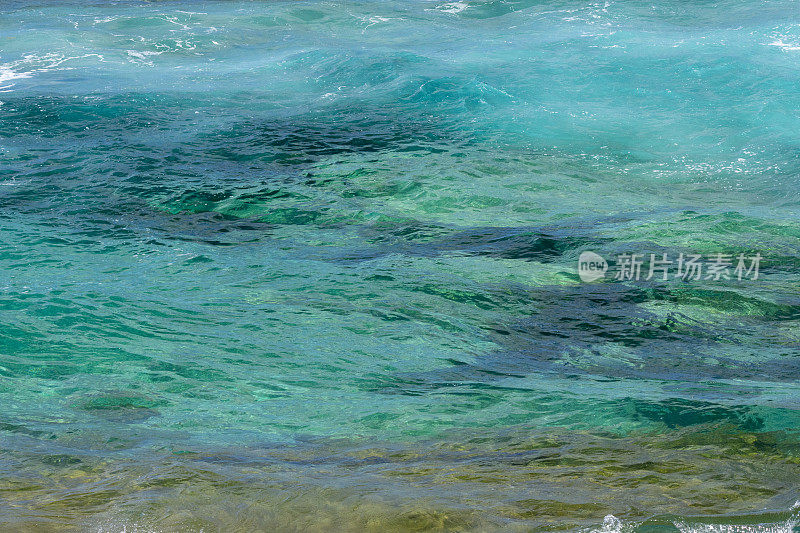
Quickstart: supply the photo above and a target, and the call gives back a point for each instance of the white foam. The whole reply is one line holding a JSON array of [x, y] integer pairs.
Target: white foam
[[612, 524], [31, 64], [784, 46], [785, 527], [453, 7], [7, 74], [143, 56], [103, 20]]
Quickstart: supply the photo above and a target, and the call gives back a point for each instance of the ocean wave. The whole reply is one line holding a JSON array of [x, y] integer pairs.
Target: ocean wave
[[31, 64], [7, 74], [787, 47], [774, 522]]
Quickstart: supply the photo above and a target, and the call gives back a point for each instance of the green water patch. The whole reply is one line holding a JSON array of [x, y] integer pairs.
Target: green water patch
[[42, 117], [355, 165], [615, 332], [731, 302], [516, 479], [122, 407], [711, 231], [350, 130], [436, 324], [678, 413]]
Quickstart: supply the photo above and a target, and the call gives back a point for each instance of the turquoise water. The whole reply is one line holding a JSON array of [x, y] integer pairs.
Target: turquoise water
[[284, 266]]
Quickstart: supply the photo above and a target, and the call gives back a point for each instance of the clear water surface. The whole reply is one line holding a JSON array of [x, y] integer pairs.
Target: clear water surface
[[311, 265]]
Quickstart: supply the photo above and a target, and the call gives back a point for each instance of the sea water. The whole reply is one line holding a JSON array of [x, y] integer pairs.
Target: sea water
[[289, 265]]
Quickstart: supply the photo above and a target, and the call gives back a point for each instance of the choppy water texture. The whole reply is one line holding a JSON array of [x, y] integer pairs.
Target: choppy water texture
[[311, 265]]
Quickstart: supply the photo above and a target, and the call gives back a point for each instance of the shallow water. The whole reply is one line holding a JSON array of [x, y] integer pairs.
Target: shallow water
[[312, 266]]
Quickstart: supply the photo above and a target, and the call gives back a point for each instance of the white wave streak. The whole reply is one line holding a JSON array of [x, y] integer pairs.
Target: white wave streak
[[785, 527], [31, 64], [7, 74], [785, 46], [612, 524], [453, 7]]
